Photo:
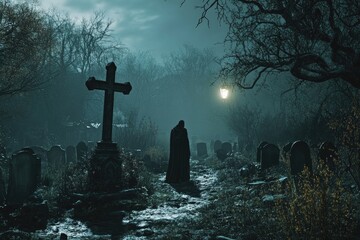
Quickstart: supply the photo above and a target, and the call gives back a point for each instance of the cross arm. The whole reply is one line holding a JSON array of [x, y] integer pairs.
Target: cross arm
[[93, 84]]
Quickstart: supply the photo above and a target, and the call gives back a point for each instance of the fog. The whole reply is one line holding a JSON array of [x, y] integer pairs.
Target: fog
[[172, 65]]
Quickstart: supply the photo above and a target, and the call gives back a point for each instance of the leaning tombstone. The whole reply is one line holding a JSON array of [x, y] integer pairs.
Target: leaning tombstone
[[70, 154], [270, 155], [258, 152], [217, 145], [81, 151], [2, 188], [24, 176], [201, 150], [300, 157], [328, 154], [56, 157]]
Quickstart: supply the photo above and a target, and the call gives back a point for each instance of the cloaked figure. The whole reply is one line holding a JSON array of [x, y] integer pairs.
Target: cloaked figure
[[179, 165]]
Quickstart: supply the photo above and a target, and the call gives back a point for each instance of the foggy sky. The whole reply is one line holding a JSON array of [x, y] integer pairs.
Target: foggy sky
[[156, 26]]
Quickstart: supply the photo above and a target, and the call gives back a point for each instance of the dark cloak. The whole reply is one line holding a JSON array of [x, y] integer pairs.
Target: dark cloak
[[179, 165]]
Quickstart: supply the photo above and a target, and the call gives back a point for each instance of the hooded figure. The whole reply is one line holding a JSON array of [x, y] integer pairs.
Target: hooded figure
[[179, 165]]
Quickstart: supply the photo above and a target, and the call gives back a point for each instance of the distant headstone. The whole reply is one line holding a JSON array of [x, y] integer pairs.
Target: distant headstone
[[212, 146], [201, 149], [2, 188], [42, 154], [300, 157], [227, 147], [24, 176], [81, 151], [270, 155], [329, 154], [56, 157], [70, 154], [217, 145], [259, 148]]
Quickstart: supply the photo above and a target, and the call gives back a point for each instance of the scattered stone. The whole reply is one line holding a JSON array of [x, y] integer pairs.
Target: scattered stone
[[269, 200], [223, 238]]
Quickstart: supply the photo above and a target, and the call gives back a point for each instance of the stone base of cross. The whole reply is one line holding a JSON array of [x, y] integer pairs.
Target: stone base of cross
[[105, 163], [105, 168]]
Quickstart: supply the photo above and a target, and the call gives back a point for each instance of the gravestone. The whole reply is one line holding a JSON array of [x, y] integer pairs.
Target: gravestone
[[70, 154], [81, 151], [227, 147], [42, 154], [56, 157], [328, 153], [24, 176], [300, 157], [212, 146], [217, 145], [201, 149], [270, 155], [105, 163], [2, 188], [258, 152]]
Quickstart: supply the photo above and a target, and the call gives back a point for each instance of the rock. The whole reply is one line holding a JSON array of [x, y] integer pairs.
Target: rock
[[269, 200], [223, 238]]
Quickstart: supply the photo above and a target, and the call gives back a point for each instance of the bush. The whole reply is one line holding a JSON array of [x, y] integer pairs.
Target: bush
[[318, 207]]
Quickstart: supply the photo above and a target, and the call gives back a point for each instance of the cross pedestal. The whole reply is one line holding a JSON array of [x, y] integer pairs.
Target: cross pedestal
[[105, 164]]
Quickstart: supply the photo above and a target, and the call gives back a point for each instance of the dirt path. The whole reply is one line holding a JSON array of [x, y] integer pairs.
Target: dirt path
[[177, 204]]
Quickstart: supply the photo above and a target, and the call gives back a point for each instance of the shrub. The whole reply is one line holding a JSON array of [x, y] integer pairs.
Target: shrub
[[318, 207]]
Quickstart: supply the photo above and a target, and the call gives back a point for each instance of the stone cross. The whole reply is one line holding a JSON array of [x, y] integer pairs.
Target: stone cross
[[110, 87]]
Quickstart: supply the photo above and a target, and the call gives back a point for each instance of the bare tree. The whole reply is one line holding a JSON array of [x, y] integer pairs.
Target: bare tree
[[24, 40], [314, 40]]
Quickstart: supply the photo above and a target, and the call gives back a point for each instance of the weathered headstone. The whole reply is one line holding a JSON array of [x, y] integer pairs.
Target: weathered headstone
[[56, 157], [300, 157], [217, 145], [201, 149], [24, 176], [105, 163], [270, 155], [81, 151], [70, 154], [227, 147], [328, 153], [259, 148]]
